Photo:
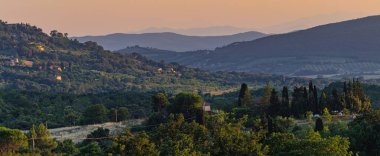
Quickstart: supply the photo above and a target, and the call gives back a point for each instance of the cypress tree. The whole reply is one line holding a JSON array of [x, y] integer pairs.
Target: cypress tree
[[310, 86], [345, 90], [360, 90], [335, 100], [347, 95], [265, 99], [298, 101], [323, 101], [319, 125], [275, 104], [245, 97], [311, 101], [285, 109], [306, 104], [315, 100]]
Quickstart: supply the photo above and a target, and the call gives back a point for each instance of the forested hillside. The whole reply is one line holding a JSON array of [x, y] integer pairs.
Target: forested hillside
[[33, 60], [51, 81], [336, 49], [21, 109]]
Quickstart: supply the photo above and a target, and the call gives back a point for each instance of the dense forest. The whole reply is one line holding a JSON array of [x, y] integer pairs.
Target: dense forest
[[302, 121], [49, 81], [21, 109]]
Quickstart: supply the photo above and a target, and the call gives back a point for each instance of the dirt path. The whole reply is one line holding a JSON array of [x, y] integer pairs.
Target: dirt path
[[79, 133]]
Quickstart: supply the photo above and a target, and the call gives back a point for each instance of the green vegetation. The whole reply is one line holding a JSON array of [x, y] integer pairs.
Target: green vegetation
[[183, 128], [22, 109], [310, 144], [52, 81], [34, 61], [319, 125], [364, 133], [95, 114], [40, 140], [11, 140], [245, 97]]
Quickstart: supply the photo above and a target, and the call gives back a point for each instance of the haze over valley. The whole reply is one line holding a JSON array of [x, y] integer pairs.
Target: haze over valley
[[169, 40], [337, 50]]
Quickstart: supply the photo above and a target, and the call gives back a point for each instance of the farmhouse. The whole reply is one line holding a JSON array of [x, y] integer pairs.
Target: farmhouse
[[206, 107], [159, 70], [27, 63], [59, 78]]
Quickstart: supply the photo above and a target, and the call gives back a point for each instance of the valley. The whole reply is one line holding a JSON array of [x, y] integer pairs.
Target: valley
[[337, 50], [187, 85]]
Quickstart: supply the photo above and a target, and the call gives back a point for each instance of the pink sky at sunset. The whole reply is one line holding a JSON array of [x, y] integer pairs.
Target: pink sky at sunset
[[84, 17]]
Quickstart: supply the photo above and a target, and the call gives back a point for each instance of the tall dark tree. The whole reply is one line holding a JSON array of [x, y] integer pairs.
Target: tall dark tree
[[347, 90], [323, 101], [364, 133], [285, 110], [265, 99], [95, 114], [299, 100], [306, 104], [245, 98], [270, 125], [319, 125], [310, 86], [160, 101], [311, 100], [275, 104], [317, 108], [190, 105], [337, 104]]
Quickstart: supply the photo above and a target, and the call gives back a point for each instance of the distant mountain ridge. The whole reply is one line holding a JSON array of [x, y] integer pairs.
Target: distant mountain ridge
[[169, 41], [339, 48], [201, 31], [336, 39]]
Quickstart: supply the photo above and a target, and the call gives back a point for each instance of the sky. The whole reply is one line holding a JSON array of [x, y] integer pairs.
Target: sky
[[96, 17]]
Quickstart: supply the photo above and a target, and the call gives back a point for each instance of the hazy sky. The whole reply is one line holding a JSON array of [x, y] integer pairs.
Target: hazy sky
[[83, 17]]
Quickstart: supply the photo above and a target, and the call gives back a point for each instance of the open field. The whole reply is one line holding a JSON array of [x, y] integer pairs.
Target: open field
[[335, 118], [79, 133]]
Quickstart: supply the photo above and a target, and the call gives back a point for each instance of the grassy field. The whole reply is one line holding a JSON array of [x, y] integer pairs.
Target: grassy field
[[79, 133], [335, 118]]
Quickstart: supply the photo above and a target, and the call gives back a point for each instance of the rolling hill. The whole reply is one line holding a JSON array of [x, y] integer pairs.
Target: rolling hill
[[31, 60], [349, 47], [169, 41]]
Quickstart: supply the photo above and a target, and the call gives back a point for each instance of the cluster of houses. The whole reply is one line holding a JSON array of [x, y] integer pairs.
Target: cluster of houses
[[168, 70], [16, 61], [58, 69], [38, 46], [27, 63], [337, 113]]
